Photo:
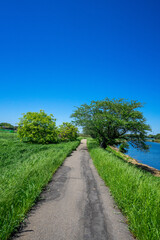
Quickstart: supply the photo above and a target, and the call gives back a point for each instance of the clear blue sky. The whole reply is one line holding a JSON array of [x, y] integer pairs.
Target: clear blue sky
[[55, 55]]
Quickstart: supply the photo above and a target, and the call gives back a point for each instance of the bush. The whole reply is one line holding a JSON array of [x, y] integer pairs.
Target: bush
[[68, 132], [37, 128]]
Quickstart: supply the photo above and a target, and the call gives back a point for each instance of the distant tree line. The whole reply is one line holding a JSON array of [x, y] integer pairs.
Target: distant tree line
[[157, 136], [7, 126]]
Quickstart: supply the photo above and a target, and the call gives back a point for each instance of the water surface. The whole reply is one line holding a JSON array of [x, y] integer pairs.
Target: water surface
[[151, 158]]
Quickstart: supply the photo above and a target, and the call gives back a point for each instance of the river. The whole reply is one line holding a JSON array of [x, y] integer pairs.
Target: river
[[151, 158]]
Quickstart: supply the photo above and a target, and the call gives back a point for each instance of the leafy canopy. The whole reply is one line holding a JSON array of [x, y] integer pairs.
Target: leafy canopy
[[68, 132], [37, 127], [113, 122]]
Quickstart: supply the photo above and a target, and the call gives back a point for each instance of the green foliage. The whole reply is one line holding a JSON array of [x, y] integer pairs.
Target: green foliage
[[136, 192], [113, 121], [37, 128], [68, 132], [151, 136], [124, 147], [24, 171], [5, 125], [157, 136]]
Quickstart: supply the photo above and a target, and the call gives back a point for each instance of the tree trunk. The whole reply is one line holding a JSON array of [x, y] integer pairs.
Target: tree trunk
[[103, 144]]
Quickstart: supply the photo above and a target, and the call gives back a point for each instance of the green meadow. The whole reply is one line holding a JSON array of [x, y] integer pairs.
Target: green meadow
[[25, 169]]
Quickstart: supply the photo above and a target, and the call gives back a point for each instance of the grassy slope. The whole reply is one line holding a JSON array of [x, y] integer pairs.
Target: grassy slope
[[136, 192], [24, 170]]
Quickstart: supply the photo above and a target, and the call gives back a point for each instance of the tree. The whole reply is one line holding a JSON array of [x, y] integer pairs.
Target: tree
[[151, 136], [37, 127], [67, 132], [157, 136], [113, 122], [5, 125]]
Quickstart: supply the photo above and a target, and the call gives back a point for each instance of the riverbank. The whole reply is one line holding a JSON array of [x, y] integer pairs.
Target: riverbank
[[136, 191], [133, 161], [154, 140]]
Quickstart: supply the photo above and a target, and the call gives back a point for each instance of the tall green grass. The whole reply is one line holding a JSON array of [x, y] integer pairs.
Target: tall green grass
[[136, 192], [24, 170]]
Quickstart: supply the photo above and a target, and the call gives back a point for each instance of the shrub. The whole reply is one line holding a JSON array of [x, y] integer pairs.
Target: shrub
[[37, 127], [68, 132]]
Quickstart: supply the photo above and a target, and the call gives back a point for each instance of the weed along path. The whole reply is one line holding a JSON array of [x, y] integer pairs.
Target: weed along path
[[76, 205]]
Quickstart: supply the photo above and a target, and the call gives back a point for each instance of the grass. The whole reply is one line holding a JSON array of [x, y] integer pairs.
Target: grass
[[24, 170], [136, 192]]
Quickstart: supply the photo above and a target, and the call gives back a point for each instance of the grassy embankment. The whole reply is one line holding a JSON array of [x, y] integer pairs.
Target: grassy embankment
[[136, 192], [24, 170]]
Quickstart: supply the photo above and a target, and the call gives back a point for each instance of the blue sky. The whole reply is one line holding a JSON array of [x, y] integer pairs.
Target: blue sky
[[55, 55]]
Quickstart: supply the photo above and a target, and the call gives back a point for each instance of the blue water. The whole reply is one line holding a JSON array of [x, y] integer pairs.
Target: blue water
[[151, 158]]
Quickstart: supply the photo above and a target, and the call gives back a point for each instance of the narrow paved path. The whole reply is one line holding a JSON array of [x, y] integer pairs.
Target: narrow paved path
[[75, 206]]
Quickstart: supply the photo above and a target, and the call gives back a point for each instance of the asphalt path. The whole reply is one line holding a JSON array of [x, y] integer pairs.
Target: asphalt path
[[76, 205]]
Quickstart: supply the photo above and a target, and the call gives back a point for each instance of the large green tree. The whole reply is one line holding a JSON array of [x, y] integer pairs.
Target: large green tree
[[113, 122]]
